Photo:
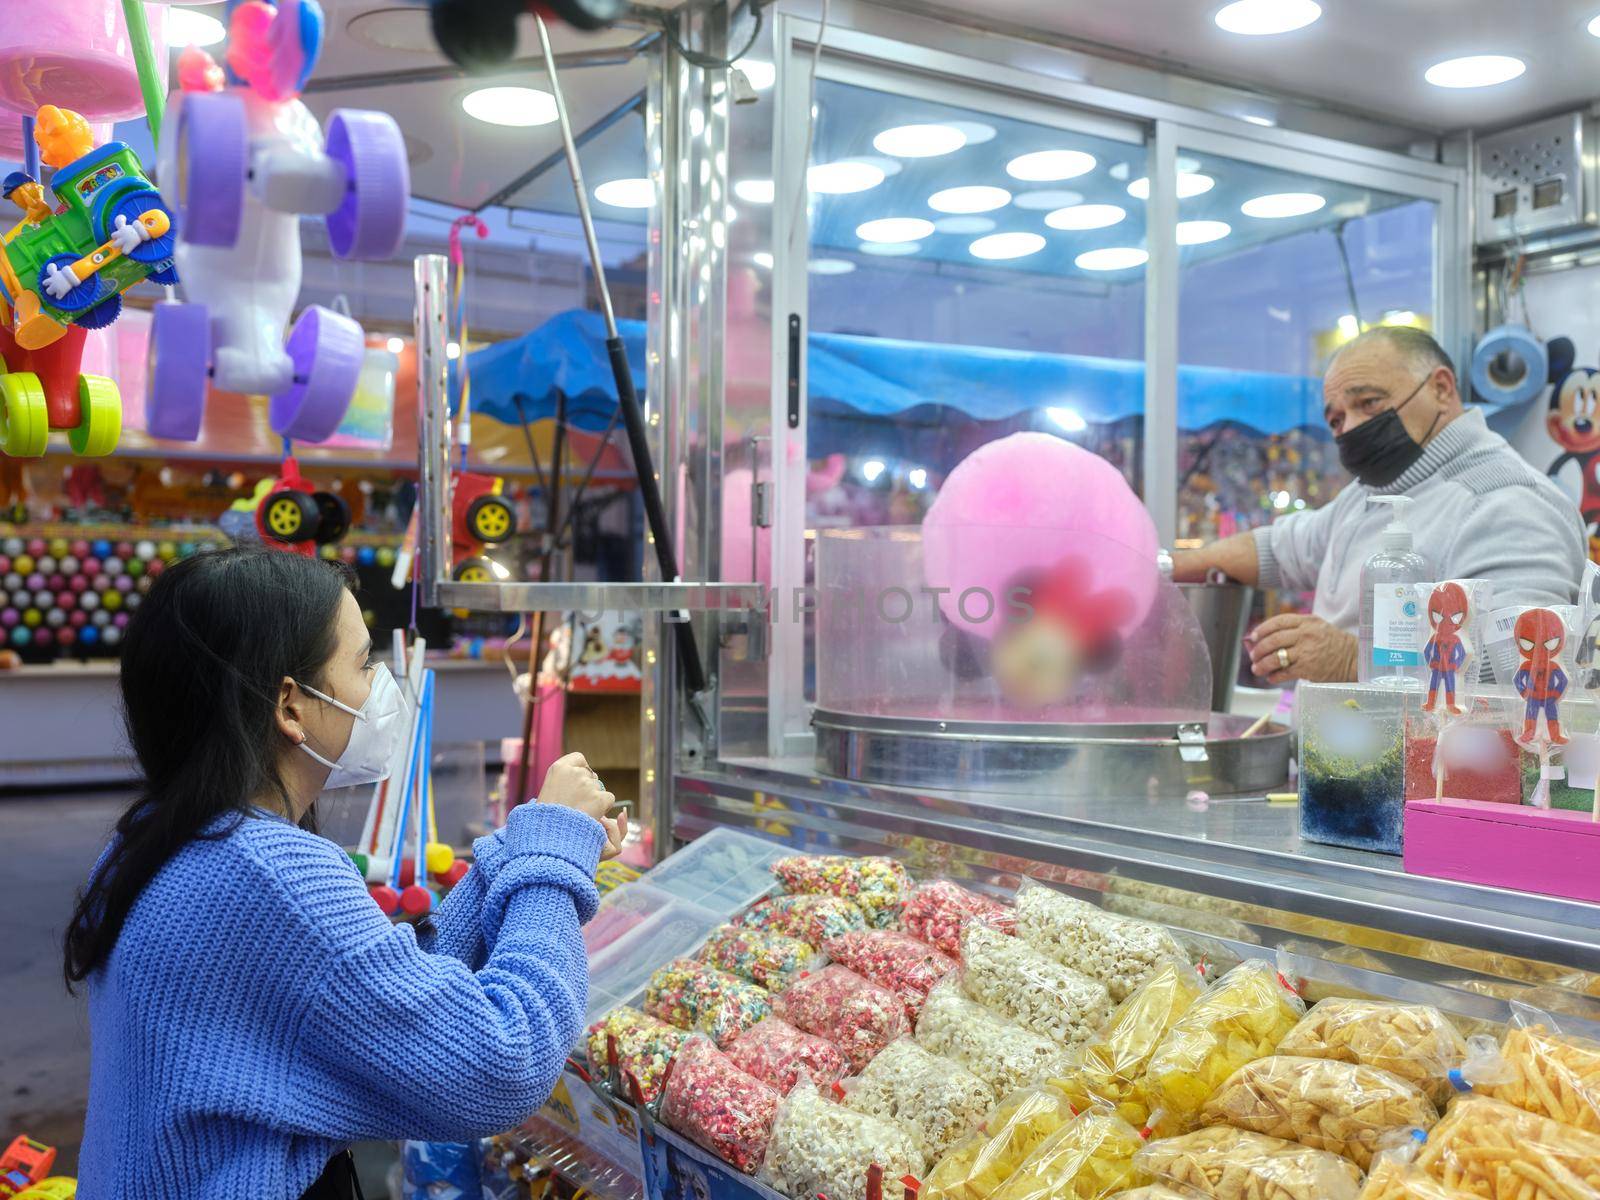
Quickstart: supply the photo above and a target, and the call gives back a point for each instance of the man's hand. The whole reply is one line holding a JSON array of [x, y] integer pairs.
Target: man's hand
[[1312, 650]]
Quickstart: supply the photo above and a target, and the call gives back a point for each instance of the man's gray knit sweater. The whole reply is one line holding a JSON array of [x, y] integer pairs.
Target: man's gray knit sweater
[[1481, 512]]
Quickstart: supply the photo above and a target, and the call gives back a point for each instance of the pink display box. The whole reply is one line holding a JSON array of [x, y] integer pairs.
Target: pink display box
[[1550, 851]]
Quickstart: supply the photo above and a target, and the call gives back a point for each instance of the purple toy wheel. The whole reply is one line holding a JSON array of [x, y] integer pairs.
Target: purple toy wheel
[[371, 220], [177, 372], [204, 168], [327, 350]]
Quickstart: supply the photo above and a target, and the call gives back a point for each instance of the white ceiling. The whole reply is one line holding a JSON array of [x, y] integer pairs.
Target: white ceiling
[[1365, 55]]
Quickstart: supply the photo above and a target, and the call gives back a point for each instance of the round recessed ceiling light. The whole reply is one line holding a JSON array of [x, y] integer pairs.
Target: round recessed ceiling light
[[1046, 166], [1263, 17], [977, 132], [185, 27], [762, 259], [1257, 119], [1006, 245], [890, 249], [1085, 216], [626, 193], [973, 199], [964, 225], [761, 75], [754, 191], [1112, 258], [843, 178], [919, 141], [831, 266], [1283, 204], [1190, 183], [1475, 71], [1198, 233], [516, 106], [1594, 27], [894, 229], [1047, 201]]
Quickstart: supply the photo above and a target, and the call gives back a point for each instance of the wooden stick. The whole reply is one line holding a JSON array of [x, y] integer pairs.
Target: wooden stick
[[1258, 724]]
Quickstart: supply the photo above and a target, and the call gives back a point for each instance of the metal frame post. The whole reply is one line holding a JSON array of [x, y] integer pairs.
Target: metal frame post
[[1160, 468], [431, 273]]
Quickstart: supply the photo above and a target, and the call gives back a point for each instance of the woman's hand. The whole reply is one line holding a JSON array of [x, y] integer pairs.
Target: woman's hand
[[616, 831], [1290, 647], [572, 783]]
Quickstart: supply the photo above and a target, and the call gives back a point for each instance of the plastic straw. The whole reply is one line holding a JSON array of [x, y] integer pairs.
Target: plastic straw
[[152, 76]]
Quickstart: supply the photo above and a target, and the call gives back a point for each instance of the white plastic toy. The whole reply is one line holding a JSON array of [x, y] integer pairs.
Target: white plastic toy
[[239, 164]]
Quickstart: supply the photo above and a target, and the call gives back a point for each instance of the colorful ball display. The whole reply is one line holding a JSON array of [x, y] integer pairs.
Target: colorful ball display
[[80, 548], [13, 546], [110, 600], [167, 551], [22, 564], [366, 556], [66, 636], [77, 618], [45, 564], [112, 565], [110, 636], [10, 617], [89, 601], [386, 556], [38, 547], [55, 618], [88, 636], [21, 635], [144, 551], [32, 618], [100, 617], [100, 548], [43, 637], [58, 547]]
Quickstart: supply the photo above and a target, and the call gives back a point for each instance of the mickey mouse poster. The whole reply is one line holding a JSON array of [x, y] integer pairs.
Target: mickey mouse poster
[[1574, 424]]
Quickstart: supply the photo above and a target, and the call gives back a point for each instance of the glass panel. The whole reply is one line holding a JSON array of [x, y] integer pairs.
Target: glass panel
[[960, 293], [1277, 271]]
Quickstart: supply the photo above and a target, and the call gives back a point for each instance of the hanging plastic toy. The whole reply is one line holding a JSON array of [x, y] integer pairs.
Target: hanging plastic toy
[[241, 165], [63, 271]]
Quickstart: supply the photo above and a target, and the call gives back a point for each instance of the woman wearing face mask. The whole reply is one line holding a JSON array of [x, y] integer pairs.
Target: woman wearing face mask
[[1479, 511], [252, 1011]]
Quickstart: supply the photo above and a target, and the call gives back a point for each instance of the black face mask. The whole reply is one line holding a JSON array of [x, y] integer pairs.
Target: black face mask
[[1378, 451]]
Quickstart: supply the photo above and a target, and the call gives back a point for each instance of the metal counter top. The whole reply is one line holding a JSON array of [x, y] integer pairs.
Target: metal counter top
[[1245, 853]]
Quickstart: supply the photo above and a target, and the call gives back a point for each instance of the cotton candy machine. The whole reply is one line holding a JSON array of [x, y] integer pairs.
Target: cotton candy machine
[[1085, 672]]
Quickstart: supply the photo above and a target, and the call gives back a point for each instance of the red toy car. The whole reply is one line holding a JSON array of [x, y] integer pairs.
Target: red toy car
[[293, 517], [480, 517]]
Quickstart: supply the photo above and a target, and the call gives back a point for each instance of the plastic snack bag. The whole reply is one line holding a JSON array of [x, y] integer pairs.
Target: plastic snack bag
[[937, 1098], [716, 1105], [819, 1147], [1395, 1179], [1233, 1164], [1036, 992], [692, 995], [1553, 1074], [898, 961], [1110, 1066], [1118, 951], [1417, 1042], [1156, 1191], [644, 1047], [937, 911], [762, 956], [1002, 1054], [1242, 1018], [777, 1053], [1089, 1157], [854, 1014], [1487, 1147], [978, 1164], [1322, 1103], [812, 919], [878, 886]]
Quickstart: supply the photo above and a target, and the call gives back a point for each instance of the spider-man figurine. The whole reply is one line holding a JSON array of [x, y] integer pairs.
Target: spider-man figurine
[[1446, 651], [1540, 680]]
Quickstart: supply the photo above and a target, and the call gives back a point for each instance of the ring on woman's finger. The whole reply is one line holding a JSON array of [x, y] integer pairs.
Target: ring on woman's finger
[[1283, 659]]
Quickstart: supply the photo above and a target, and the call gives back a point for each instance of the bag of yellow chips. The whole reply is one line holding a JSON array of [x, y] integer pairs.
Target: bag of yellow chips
[[1233, 1164], [986, 1158], [1111, 1066], [1414, 1041], [1490, 1149], [1156, 1191], [1241, 1018], [1328, 1105], [1550, 1073], [1088, 1158]]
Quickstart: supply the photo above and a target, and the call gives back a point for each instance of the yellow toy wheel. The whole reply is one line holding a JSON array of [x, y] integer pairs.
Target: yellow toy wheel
[[291, 516], [473, 570], [100, 417], [24, 419], [490, 519]]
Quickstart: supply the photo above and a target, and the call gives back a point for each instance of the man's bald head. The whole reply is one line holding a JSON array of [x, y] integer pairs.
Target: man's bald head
[[1379, 369]]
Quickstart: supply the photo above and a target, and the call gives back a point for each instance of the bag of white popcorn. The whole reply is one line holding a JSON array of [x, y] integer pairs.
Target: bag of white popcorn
[[1011, 978], [1001, 1053], [938, 1099], [819, 1147], [1118, 951]]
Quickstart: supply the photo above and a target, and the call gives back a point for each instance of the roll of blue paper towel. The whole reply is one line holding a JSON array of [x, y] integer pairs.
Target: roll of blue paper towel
[[1509, 366]]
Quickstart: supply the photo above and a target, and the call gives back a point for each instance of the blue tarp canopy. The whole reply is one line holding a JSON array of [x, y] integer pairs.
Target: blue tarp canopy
[[852, 377]]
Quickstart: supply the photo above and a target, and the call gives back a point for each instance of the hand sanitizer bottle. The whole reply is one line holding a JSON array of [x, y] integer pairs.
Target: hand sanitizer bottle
[[1390, 653]]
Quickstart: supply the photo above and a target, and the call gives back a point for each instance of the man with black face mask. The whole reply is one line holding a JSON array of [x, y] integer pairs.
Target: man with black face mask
[[1481, 511]]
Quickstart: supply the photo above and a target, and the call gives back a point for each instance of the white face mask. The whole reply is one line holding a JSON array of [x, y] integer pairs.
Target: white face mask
[[380, 724]]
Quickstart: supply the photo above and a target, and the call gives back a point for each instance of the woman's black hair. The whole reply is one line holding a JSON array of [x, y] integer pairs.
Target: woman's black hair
[[202, 664]]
